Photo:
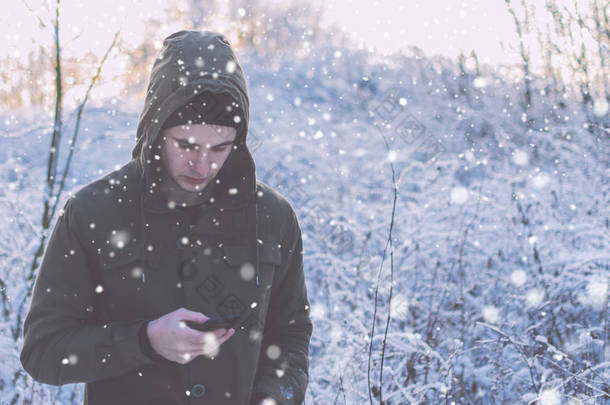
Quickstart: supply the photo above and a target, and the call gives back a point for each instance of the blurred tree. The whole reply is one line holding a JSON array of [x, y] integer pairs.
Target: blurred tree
[[569, 54], [522, 26], [138, 61], [271, 29]]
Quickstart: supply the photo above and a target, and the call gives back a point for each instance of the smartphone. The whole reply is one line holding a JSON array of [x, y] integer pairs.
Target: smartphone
[[213, 323]]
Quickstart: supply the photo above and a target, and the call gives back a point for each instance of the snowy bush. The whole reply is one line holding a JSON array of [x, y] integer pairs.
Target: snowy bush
[[494, 288]]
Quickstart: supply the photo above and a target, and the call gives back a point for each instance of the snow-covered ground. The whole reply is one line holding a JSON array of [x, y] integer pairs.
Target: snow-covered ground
[[494, 257]]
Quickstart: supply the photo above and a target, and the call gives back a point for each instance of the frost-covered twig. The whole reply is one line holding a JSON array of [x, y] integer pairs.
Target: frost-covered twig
[[579, 376], [52, 198], [390, 243], [519, 349], [79, 114], [460, 261]]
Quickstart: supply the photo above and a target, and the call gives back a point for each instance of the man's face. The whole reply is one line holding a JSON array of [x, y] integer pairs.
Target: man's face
[[191, 156]]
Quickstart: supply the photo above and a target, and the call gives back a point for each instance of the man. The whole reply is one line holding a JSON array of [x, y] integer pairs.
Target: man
[[140, 259]]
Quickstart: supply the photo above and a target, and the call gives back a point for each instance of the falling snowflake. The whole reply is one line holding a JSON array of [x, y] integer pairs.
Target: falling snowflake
[[136, 272], [534, 297], [596, 294], [518, 277], [71, 360], [273, 352], [549, 397], [541, 180], [399, 306], [119, 238], [479, 82], [520, 158], [459, 195], [211, 345], [490, 313], [317, 311], [335, 334], [246, 271], [600, 107]]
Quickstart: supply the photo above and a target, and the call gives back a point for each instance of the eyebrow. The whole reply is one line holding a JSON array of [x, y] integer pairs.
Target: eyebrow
[[179, 140]]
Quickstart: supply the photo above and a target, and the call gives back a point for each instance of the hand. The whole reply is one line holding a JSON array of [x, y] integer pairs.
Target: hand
[[171, 338]]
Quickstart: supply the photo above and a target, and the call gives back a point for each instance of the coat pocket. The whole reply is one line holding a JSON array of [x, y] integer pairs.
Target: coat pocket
[[248, 299], [270, 253], [238, 257], [123, 273]]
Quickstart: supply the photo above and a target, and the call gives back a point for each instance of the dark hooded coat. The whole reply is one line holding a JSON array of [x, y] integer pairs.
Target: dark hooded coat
[[119, 257]]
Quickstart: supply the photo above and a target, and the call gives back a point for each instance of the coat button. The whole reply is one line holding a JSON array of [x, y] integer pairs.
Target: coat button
[[198, 390]]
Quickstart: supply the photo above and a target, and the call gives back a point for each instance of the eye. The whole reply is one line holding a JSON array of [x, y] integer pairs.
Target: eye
[[187, 146], [219, 148]]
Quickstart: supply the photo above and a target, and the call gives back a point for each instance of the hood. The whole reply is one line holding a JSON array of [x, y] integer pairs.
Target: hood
[[189, 63]]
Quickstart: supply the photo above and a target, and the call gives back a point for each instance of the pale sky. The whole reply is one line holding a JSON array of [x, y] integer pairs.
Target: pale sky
[[436, 26]]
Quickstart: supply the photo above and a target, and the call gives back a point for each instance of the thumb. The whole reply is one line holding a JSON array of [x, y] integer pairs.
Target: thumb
[[188, 315]]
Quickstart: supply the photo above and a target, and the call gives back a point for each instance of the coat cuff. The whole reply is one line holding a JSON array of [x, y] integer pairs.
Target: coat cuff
[[268, 387], [145, 345]]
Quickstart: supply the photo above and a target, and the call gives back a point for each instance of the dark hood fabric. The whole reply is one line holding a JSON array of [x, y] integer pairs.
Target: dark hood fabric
[[208, 108], [119, 257]]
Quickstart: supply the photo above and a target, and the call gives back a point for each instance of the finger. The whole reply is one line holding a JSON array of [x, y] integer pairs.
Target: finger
[[200, 336], [195, 337], [226, 336], [223, 334], [196, 343], [207, 338], [219, 332], [212, 346], [208, 349]]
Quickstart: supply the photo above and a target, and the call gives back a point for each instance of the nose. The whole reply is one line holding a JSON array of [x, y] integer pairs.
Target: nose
[[201, 164]]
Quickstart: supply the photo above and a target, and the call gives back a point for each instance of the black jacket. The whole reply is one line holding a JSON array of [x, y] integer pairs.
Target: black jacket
[[119, 257]]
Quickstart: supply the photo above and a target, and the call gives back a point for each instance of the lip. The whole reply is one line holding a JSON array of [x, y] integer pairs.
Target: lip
[[195, 180]]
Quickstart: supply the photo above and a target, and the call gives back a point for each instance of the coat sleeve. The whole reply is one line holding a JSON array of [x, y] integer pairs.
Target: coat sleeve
[[288, 328], [62, 342]]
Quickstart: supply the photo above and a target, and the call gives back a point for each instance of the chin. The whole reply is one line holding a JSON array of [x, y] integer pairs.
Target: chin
[[194, 188]]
